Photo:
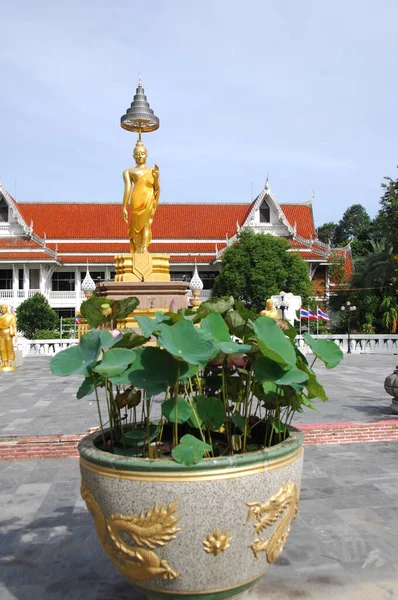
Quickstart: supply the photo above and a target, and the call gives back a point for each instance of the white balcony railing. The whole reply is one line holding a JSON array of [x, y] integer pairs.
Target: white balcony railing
[[204, 294], [66, 295], [6, 294], [32, 293]]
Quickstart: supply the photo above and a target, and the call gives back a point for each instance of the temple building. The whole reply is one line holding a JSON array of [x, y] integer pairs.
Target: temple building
[[48, 247]]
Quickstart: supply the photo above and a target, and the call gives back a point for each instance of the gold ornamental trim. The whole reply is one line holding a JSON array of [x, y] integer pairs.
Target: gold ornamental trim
[[184, 477], [281, 509], [217, 542], [153, 528]]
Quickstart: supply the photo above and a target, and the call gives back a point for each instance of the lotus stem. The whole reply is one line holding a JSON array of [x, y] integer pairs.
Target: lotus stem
[[99, 412]]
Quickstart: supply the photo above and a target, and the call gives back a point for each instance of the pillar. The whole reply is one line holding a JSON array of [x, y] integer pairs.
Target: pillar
[[15, 281], [78, 288]]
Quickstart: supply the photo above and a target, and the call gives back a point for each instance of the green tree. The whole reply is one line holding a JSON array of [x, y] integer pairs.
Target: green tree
[[354, 223], [374, 291], [35, 313], [387, 218], [258, 266], [326, 233]]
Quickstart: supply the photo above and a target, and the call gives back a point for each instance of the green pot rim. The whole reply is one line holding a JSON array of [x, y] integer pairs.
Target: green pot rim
[[217, 595], [89, 451]]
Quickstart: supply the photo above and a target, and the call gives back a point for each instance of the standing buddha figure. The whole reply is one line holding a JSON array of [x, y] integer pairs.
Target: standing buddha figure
[[7, 333], [143, 199]]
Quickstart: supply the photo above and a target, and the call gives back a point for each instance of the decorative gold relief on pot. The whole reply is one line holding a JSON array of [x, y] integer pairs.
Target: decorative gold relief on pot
[[217, 542], [283, 504], [155, 527]]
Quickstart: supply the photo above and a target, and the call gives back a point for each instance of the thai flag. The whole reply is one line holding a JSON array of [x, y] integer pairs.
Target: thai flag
[[303, 313], [322, 315], [311, 315], [77, 320]]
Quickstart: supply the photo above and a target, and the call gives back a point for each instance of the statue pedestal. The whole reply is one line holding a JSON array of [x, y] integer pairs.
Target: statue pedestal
[[142, 267], [153, 296]]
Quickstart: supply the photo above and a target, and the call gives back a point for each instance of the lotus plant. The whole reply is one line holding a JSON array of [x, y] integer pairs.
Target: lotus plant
[[229, 381]]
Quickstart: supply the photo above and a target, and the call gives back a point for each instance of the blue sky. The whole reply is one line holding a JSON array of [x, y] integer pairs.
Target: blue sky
[[307, 91]]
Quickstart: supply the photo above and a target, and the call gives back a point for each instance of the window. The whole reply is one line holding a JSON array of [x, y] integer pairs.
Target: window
[[20, 279], [63, 282], [264, 213], [208, 278], [181, 275], [3, 211], [5, 279], [34, 279], [113, 275], [65, 313], [96, 276]]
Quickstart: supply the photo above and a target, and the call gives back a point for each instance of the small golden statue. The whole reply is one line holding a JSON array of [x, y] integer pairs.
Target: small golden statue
[[8, 331], [270, 310], [143, 199]]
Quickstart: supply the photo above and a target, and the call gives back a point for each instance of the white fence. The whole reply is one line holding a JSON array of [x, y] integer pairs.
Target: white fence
[[43, 347], [359, 343]]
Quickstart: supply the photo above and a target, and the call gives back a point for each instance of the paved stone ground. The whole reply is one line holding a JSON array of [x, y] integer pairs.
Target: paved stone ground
[[343, 545], [34, 402]]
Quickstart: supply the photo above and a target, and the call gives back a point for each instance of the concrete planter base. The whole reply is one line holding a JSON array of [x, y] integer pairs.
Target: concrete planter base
[[201, 533]]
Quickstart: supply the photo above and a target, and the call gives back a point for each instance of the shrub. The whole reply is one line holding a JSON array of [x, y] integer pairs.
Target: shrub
[[47, 334], [34, 314]]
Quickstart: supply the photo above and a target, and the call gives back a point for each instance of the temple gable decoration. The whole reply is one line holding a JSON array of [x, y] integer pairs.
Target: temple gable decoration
[[266, 215]]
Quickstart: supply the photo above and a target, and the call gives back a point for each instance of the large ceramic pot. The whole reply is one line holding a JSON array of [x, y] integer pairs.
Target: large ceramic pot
[[204, 532]]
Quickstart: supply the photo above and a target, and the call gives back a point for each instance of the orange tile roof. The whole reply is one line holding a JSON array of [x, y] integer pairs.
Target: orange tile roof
[[24, 256], [110, 259], [91, 259], [117, 248], [301, 214], [13, 242], [348, 265], [191, 259], [312, 256], [172, 221]]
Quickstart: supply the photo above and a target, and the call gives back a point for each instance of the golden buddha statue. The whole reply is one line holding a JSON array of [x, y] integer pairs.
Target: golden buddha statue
[[270, 310], [8, 331], [143, 199]]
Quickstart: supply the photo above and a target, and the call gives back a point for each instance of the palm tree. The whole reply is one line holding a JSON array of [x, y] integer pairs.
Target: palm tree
[[378, 269], [390, 314]]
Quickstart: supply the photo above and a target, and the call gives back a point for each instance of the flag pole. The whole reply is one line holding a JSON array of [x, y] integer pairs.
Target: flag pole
[[317, 321], [308, 313]]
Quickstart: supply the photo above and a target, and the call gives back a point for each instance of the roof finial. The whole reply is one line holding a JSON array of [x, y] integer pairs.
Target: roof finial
[[139, 80], [88, 285], [266, 182], [313, 194]]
